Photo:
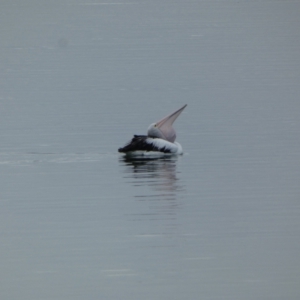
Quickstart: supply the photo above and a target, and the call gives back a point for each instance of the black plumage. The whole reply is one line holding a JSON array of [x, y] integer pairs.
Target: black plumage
[[141, 143]]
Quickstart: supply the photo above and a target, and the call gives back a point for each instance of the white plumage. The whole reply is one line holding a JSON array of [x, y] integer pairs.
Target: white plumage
[[174, 148]]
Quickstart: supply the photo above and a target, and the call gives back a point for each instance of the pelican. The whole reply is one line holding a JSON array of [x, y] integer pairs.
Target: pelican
[[159, 140]]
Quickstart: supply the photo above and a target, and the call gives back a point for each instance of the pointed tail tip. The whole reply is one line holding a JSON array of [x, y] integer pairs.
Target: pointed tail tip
[[122, 150]]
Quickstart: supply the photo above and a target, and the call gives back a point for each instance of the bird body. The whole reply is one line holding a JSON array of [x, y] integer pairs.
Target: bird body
[[143, 143]]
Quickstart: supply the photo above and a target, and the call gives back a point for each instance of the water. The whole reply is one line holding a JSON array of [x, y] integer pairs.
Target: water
[[78, 220]]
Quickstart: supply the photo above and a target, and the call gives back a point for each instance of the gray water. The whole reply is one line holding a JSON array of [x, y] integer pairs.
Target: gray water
[[79, 221]]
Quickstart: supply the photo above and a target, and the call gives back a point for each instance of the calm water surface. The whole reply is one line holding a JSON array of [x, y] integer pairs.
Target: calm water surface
[[80, 221]]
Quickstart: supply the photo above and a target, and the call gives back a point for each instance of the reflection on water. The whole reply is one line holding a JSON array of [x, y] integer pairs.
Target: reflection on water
[[156, 181], [158, 173]]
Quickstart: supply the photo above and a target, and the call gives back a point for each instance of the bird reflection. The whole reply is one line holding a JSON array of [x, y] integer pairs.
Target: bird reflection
[[158, 173], [156, 182]]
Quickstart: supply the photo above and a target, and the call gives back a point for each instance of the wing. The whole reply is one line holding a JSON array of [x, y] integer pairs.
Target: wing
[[145, 143]]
